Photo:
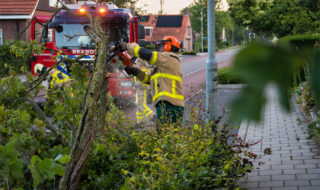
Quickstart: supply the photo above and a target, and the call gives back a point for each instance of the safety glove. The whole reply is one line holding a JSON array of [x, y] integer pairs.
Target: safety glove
[[131, 70], [120, 46]]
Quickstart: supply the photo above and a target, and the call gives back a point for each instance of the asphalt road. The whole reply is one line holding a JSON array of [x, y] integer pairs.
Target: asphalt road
[[190, 65]]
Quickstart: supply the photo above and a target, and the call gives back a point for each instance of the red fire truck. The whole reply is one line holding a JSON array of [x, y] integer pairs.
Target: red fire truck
[[66, 33]]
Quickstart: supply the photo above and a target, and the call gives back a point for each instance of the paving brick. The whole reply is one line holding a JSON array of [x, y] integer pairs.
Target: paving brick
[[292, 162], [253, 173], [308, 176], [295, 171], [282, 167], [311, 161], [314, 171], [270, 172], [307, 166], [309, 188], [285, 188], [291, 148], [249, 184], [259, 178], [289, 183], [282, 177], [315, 182], [271, 184]]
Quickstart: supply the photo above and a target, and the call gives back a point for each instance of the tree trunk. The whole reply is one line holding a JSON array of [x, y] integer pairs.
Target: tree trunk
[[261, 35], [91, 119]]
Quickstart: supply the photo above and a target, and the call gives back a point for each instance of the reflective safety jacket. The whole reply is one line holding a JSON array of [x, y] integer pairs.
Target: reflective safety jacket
[[143, 113], [142, 65], [58, 79], [166, 79]]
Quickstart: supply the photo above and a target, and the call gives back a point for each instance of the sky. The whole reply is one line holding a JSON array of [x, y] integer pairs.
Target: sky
[[169, 7]]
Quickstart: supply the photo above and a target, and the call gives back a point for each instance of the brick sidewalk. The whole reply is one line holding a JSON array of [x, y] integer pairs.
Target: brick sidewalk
[[294, 162]]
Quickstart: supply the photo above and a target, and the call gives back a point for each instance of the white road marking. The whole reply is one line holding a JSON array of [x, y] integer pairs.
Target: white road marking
[[195, 71]]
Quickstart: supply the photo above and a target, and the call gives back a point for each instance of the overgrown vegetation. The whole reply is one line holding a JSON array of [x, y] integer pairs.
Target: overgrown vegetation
[[189, 53], [267, 18], [226, 76], [195, 156], [18, 61]]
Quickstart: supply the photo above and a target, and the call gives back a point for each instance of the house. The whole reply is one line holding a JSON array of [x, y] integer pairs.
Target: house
[[159, 26], [16, 14]]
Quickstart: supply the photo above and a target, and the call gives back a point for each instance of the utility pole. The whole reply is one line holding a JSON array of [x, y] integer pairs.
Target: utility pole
[[202, 28], [211, 67]]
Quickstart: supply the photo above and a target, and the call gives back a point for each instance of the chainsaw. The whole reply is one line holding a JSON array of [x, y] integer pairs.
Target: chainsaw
[[112, 64]]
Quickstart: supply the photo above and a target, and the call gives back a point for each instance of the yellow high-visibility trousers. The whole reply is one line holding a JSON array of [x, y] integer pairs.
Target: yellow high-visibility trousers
[[143, 114]]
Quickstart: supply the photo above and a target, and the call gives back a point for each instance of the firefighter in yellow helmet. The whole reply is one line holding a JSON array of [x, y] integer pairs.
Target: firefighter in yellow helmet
[[165, 80], [56, 79], [144, 114]]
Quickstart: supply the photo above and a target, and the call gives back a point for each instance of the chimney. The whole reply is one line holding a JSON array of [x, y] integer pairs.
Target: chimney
[[187, 11]]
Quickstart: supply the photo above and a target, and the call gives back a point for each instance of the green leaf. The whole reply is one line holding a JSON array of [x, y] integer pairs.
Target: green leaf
[[58, 169], [45, 168], [35, 159], [259, 65], [63, 158]]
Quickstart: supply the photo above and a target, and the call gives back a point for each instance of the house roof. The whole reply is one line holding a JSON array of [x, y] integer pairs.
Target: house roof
[[169, 21], [20, 7], [166, 25]]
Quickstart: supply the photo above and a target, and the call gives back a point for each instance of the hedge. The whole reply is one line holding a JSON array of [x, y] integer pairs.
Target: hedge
[[189, 53], [301, 41], [226, 76]]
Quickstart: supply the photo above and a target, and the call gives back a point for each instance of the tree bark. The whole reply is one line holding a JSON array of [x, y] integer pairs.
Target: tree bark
[[91, 120]]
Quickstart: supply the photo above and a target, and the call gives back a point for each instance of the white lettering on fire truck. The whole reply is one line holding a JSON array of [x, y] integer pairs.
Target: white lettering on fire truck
[[87, 51], [45, 54]]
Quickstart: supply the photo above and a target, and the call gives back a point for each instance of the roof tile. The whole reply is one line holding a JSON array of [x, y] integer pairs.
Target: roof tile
[[160, 32], [17, 7]]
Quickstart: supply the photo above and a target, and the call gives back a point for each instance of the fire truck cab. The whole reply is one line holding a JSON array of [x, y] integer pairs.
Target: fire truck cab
[[66, 33]]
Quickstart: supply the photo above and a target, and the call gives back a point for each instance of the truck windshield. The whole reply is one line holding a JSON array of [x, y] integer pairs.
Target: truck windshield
[[73, 37]]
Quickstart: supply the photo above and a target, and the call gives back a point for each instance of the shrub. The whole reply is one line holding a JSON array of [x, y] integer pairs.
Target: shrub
[[189, 53], [195, 156], [9, 61], [301, 41], [205, 49], [16, 56], [305, 96], [226, 76]]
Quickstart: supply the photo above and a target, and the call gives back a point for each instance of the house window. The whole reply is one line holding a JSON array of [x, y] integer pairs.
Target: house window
[[1, 42], [148, 31]]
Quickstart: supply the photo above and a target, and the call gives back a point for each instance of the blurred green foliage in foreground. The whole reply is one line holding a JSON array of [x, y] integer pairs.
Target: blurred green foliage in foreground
[[260, 64]]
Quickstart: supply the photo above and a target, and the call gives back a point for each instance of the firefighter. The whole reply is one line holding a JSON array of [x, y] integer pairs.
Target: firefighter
[[143, 113], [56, 79], [165, 80]]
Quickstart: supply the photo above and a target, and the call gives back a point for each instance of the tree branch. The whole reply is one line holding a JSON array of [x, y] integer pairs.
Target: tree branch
[[42, 116]]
